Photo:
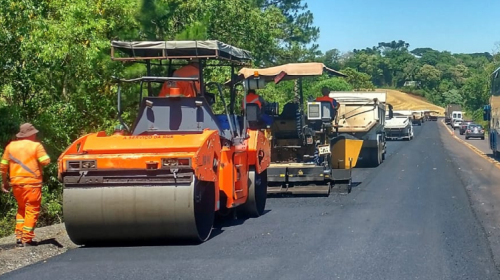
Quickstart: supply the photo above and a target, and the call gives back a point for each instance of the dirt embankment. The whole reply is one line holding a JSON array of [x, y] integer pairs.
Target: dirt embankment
[[405, 101], [53, 241]]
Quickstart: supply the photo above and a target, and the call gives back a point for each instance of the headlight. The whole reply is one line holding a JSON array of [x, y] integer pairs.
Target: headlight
[[81, 164], [176, 162]]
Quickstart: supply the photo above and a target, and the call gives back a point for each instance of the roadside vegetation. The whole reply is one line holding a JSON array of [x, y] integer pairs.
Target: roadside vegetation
[[57, 71]]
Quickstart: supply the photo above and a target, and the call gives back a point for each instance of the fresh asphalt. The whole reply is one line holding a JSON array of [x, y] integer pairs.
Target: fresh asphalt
[[409, 218]]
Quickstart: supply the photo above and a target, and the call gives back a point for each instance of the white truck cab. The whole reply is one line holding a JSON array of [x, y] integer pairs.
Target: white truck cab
[[456, 119]]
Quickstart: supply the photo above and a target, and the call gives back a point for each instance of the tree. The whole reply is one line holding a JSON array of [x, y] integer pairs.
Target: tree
[[334, 84], [358, 80], [332, 59], [429, 76], [452, 97]]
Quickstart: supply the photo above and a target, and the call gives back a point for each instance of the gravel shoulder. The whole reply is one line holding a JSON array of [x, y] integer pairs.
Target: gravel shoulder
[[53, 241]]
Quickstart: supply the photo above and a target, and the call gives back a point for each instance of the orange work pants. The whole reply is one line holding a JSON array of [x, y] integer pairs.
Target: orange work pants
[[28, 199]]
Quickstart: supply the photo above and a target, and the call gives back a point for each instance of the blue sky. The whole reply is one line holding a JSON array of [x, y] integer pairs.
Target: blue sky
[[459, 26]]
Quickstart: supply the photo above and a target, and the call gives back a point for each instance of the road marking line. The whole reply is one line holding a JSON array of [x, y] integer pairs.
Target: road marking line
[[472, 147]]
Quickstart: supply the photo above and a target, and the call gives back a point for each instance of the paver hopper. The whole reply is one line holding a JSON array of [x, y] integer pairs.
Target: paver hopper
[[167, 176]]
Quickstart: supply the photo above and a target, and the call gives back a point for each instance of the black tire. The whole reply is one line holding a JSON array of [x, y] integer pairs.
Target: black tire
[[375, 157], [482, 138], [257, 194], [466, 138]]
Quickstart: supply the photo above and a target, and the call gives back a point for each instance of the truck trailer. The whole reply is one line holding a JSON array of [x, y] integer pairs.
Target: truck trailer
[[450, 108], [362, 115]]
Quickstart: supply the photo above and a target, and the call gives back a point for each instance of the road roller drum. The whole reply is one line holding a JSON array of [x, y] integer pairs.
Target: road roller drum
[[147, 213]]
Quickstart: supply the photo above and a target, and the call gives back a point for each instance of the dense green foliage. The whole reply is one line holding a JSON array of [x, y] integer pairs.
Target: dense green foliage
[[57, 71]]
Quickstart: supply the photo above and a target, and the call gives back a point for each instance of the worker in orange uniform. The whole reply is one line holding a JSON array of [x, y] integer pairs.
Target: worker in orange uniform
[[325, 92], [253, 97], [192, 70], [24, 159]]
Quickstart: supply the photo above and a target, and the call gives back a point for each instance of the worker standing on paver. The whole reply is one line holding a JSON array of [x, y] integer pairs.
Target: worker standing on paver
[[24, 159], [325, 92], [253, 98]]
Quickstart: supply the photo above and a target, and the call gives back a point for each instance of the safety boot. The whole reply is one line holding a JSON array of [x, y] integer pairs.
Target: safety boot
[[31, 243]]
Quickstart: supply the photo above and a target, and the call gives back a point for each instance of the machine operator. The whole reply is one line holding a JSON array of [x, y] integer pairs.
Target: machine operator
[[253, 97]]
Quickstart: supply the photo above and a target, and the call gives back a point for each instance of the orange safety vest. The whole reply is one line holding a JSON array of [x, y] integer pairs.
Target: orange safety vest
[[326, 98], [23, 158], [254, 98], [186, 88]]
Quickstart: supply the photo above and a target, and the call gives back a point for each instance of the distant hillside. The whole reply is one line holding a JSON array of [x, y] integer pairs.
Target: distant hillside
[[404, 101]]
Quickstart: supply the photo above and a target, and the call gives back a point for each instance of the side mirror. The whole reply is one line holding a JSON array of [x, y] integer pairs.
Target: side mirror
[[391, 110]]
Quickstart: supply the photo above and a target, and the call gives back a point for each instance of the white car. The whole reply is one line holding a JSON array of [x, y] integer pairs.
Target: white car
[[456, 123]]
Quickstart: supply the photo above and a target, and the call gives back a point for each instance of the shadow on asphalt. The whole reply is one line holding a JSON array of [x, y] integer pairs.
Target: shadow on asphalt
[[219, 223], [490, 155]]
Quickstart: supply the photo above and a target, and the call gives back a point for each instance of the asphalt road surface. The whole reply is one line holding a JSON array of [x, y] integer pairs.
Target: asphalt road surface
[[409, 218]]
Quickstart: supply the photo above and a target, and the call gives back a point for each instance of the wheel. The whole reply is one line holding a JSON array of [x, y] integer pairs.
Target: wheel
[[466, 138], [257, 194], [375, 157], [482, 138], [329, 190]]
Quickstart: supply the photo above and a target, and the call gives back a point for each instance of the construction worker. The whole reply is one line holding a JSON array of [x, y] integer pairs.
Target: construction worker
[[24, 158], [187, 89], [253, 97], [325, 92]]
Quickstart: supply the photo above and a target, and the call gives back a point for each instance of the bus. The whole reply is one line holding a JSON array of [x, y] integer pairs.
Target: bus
[[492, 113]]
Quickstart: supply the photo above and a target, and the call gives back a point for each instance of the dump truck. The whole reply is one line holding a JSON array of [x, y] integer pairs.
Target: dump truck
[[430, 115], [307, 154], [417, 117], [399, 127], [362, 115], [166, 177], [450, 108]]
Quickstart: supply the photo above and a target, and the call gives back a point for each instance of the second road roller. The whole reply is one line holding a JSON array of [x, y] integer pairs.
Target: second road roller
[[166, 177]]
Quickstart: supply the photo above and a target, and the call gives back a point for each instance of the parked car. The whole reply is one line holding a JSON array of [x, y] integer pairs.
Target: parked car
[[474, 131], [463, 126]]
